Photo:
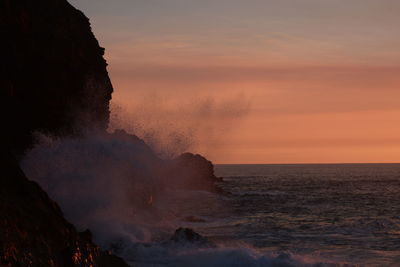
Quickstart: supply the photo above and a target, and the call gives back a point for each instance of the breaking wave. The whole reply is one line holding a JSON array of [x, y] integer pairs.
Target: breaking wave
[[115, 186]]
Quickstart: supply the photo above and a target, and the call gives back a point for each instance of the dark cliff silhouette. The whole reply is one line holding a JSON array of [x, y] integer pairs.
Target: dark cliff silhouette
[[33, 231], [53, 80], [53, 75]]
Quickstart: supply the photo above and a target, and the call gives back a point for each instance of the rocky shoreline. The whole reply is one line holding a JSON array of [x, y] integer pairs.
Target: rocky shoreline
[[54, 80]]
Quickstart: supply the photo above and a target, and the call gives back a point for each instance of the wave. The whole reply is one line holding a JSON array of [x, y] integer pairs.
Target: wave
[[117, 188]]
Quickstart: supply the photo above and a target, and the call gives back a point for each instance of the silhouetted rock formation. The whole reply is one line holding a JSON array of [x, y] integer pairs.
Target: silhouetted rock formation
[[193, 172], [187, 171], [186, 236], [53, 76], [53, 80], [33, 231], [142, 150]]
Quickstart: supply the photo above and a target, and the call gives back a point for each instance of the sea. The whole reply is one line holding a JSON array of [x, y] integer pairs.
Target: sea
[[308, 215], [329, 213]]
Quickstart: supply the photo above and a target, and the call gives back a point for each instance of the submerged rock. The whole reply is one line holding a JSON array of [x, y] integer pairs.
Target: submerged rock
[[186, 236]]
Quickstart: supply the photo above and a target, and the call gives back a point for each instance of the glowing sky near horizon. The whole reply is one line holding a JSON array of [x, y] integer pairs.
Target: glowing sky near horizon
[[257, 81]]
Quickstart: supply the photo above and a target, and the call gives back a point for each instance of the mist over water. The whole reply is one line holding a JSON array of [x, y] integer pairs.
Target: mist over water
[[172, 126], [119, 187], [118, 190]]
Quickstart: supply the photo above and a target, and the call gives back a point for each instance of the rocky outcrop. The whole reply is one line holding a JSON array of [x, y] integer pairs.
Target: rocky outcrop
[[192, 171], [53, 76], [186, 236], [53, 79], [187, 171], [33, 231]]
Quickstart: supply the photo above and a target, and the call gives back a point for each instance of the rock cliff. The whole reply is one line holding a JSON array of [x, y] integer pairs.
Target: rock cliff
[[53, 80], [33, 231], [53, 75]]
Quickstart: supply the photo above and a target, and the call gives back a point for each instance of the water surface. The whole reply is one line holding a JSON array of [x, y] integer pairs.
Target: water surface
[[341, 212]]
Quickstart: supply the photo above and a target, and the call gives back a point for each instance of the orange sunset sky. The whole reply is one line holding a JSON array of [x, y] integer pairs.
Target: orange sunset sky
[[256, 81]]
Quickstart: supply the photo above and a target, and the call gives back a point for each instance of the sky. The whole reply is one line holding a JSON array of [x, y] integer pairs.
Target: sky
[[256, 81]]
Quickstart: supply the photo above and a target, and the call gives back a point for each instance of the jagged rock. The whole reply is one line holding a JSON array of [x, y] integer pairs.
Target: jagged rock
[[109, 260], [53, 80], [53, 77], [33, 231], [186, 236], [192, 171], [140, 147], [188, 171]]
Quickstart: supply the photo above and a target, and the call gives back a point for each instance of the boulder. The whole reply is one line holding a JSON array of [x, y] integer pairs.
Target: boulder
[[192, 171], [186, 236]]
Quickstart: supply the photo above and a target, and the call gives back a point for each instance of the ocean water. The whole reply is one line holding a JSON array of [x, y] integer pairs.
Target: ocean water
[[340, 213], [266, 215]]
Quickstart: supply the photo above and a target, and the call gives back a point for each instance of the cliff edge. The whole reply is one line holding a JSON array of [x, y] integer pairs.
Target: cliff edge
[[53, 79], [53, 74]]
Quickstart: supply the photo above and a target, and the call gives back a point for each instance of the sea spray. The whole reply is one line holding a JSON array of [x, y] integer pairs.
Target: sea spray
[[114, 185], [171, 125], [109, 183]]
